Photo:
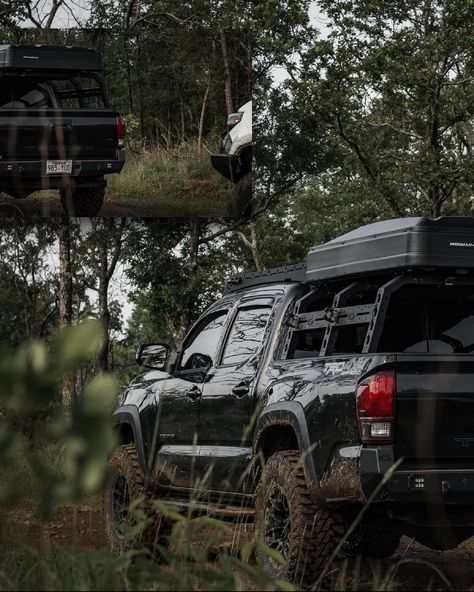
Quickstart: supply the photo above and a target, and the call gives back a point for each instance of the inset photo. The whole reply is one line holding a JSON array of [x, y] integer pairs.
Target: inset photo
[[152, 119]]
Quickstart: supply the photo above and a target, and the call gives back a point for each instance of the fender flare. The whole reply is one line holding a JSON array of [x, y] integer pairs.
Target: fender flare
[[128, 415], [290, 413]]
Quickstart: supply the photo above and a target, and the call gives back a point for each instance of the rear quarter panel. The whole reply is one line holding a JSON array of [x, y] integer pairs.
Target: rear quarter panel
[[325, 388]]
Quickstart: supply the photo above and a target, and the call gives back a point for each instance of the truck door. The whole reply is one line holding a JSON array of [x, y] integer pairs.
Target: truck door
[[178, 411], [225, 422]]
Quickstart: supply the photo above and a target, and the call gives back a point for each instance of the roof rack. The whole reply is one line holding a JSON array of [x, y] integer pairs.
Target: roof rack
[[388, 247], [289, 273]]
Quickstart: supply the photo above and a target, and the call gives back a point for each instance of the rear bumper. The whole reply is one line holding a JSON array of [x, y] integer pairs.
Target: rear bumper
[[32, 173], [408, 484]]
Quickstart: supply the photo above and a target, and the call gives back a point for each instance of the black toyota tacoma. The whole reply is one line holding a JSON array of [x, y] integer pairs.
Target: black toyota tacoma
[[308, 393], [57, 130]]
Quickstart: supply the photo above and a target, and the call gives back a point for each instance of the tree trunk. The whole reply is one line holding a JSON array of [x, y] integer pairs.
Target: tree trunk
[[183, 124], [201, 119], [194, 247], [65, 300], [106, 270], [228, 79], [252, 244], [104, 312]]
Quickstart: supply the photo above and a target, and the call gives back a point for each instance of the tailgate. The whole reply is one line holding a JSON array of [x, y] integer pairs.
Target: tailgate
[[434, 425], [35, 134]]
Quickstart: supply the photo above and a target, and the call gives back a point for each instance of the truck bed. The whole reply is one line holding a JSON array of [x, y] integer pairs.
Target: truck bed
[[36, 134], [434, 410]]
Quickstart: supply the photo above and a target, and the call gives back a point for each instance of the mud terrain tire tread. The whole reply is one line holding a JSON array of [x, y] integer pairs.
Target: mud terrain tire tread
[[84, 201], [125, 459], [316, 531]]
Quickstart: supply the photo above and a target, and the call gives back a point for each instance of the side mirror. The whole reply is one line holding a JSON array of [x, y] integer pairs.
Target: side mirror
[[153, 355], [234, 118]]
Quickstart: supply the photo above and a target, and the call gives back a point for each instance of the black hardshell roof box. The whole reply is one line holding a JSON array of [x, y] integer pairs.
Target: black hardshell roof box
[[404, 243], [62, 58]]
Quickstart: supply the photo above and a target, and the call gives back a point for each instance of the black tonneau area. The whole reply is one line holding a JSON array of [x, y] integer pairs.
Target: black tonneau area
[[33, 134], [434, 409]]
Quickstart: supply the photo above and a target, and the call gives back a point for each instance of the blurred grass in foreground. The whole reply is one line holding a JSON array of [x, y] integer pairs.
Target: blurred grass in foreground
[[48, 459], [51, 465]]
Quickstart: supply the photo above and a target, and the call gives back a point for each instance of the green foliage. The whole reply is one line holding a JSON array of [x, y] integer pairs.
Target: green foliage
[[30, 404], [80, 445], [174, 284], [381, 107], [28, 290]]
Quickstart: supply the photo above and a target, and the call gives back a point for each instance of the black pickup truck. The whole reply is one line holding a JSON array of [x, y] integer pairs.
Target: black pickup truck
[[308, 393], [57, 130]]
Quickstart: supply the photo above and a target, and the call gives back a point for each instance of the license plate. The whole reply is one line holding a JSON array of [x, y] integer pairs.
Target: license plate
[[58, 167]]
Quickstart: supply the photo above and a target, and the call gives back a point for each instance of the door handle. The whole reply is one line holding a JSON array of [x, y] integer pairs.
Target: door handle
[[241, 389], [194, 393]]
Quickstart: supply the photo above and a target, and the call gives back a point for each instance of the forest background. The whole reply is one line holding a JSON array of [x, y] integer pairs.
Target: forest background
[[362, 113]]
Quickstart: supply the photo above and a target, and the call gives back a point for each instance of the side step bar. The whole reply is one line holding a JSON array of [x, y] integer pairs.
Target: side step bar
[[223, 512]]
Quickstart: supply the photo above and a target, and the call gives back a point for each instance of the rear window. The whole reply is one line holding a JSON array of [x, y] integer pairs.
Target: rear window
[[80, 92], [430, 320], [16, 94]]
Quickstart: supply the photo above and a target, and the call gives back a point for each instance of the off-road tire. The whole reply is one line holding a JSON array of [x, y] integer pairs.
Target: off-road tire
[[123, 465], [241, 198], [377, 540], [83, 201], [314, 531]]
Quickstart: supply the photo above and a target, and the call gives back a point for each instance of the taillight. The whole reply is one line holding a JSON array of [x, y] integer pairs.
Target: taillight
[[120, 132], [376, 407]]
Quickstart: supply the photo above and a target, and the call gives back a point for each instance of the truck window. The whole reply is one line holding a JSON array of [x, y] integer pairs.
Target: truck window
[[436, 320], [15, 94], [79, 92], [246, 335], [306, 344], [201, 345]]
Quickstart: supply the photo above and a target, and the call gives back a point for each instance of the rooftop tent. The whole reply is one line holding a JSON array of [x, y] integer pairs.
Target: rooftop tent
[[403, 243], [57, 58]]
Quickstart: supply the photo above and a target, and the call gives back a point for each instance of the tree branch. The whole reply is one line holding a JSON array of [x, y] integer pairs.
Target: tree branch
[[368, 169]]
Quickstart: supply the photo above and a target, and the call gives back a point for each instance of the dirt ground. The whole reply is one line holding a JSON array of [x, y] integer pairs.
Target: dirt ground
[[82, 528], [48, 205]]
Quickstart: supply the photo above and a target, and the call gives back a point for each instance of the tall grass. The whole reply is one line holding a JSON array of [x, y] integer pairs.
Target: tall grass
[[175, 181], [67, 465]]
